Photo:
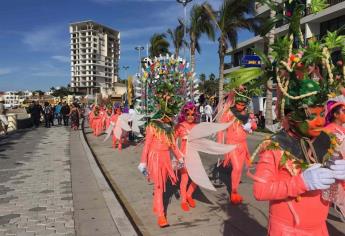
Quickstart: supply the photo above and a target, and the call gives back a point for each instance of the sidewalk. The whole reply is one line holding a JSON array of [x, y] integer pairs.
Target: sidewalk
[[35, 183], [213, 214]]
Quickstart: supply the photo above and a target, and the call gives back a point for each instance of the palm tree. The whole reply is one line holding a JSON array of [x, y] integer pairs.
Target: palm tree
[[231, 17], [176, 36], [200, 23], [158, 45]]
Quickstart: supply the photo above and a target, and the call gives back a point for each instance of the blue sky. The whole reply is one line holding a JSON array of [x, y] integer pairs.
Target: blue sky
[[34, 36]]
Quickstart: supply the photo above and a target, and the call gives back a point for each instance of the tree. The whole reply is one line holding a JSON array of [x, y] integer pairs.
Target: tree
[[158, 45], [176, 36], [200, 23], [39, 92], [62, 92], [231, 17], [212, 77], [202, 79]]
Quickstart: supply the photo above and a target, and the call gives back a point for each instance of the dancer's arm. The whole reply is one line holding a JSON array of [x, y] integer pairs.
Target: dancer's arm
[[268, 186], [148, 140]]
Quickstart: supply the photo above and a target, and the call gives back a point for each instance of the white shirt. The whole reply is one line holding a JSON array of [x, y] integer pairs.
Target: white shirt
[[208, 110]]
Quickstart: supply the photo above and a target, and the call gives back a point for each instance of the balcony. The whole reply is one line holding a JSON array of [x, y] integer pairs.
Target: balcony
[[329, 2]]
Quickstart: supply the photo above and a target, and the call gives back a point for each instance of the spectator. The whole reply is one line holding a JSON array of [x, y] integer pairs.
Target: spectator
[[132, 114], [75, 116], [208, 113], [48, 113], [3, 118], [64, 112], [58, 114], [202, 113], [35, 111]]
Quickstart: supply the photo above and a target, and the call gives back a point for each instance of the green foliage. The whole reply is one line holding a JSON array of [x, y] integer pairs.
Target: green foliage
[[280, 48], [62, 92], [158, 45], [333, 40], [318, 5], [242, 76], [312, 53], [176, 36]]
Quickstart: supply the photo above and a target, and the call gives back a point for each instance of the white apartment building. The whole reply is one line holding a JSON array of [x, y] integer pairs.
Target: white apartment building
[[313, 26], [12, 99], [95, 54]]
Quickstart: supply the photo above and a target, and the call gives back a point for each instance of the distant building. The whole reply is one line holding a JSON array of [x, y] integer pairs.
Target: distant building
[[313, 26], [95, 54], [12, 99]]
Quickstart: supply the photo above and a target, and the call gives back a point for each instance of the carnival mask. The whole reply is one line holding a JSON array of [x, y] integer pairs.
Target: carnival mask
[[313, 123], [240, 106], [190, 115], [118, 111]]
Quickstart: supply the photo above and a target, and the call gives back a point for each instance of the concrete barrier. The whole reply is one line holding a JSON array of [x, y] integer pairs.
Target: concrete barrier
[[12, 122]]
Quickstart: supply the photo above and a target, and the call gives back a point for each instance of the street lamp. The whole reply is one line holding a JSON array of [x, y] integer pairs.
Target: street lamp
[[184, 3]]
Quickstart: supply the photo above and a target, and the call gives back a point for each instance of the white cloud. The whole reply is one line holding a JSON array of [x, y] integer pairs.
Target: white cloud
[[61, 58], [47, 39], [6, 71]]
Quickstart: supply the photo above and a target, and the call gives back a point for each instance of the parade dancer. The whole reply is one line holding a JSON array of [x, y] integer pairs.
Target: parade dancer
[[298, 163], [187, 120], [193, 139], [155, 160], [236, 134], [116, 138]]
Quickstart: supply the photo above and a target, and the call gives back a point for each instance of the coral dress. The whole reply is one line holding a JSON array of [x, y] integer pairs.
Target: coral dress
[[235, 135], [159, 140], [293, 210], [181, 132]]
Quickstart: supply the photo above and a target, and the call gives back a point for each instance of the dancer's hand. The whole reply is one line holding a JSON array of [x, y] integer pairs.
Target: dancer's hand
[[247, 127], [180, 163], [338, 169], [142, 168], [316, 177]]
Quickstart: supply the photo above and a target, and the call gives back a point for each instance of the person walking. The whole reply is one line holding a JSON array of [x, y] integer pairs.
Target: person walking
[[75, 116], [3, 118], [57, 113], [35, 111], [48, 113], [65, 110], [208, 113]]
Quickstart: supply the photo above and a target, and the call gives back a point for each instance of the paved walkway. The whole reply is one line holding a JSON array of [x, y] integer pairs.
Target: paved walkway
[[50, 185], [35, 184], [213, 214]]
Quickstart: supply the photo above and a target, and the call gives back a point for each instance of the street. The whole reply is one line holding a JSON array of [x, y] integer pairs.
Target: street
[[213, 215], [48, 186]]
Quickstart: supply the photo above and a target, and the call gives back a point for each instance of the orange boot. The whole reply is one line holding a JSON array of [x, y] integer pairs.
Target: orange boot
[[162, 221], [184, 206], [191, 202]]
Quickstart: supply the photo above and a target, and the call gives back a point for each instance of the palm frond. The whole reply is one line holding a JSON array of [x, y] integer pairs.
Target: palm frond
[[318, 5], [333, 40], [242, 76]]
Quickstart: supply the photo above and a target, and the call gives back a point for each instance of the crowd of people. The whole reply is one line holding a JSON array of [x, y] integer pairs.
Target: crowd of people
[[48, 113]]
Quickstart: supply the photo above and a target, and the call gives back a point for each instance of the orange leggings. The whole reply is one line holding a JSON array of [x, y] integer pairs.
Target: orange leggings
[[183, 186], [158, 206], [114, 142], [237, 162]]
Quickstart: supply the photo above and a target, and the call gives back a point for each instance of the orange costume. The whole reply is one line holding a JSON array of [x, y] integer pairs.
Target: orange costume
[[236, 135], [294, 211], [159, 141], [181, 132]]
